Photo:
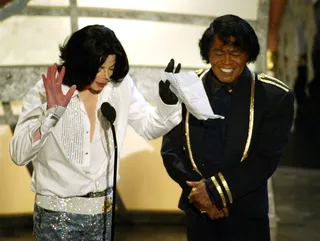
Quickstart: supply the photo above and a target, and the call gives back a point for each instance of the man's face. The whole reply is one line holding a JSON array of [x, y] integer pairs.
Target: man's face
[[227, 61], [104, 73]]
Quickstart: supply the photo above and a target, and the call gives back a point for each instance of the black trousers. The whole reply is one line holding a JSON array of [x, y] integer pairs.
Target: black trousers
[[233, 228]]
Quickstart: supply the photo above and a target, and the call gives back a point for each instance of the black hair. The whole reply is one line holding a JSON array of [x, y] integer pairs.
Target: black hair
[[224, 28], [86, 50]]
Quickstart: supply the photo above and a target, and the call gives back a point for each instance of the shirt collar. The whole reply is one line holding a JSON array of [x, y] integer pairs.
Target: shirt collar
[[215, 85]]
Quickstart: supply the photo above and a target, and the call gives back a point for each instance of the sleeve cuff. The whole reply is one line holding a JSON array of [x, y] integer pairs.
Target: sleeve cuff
[[209, 193], [220, 190], [166, 110], [50, 119]]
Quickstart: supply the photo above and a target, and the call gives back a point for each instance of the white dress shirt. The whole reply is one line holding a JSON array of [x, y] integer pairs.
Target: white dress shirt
[[65, 163]]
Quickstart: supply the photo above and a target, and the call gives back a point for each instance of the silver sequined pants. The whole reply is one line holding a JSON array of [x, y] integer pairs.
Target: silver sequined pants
[[56, 226]]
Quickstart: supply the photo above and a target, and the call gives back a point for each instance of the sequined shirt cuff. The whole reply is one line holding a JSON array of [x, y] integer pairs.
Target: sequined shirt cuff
[[50, 119]]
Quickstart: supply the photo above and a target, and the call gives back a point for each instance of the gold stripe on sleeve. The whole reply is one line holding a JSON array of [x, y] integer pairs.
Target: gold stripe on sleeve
[[226, 186], [218, 187]]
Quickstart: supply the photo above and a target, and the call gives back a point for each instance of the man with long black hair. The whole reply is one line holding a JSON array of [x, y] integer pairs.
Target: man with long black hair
[[62, 131]]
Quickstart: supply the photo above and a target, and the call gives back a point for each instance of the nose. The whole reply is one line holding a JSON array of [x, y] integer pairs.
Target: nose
[[227, 59], [107, 73]]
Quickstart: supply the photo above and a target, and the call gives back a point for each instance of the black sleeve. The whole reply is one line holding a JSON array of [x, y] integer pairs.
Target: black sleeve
[[175, 159], [243, 178]]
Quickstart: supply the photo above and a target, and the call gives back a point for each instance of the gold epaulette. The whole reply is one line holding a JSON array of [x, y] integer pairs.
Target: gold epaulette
[[273, 81], [199, 71]]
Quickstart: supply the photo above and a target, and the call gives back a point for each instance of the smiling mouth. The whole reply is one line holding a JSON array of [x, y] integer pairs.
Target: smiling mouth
[[226, 70]]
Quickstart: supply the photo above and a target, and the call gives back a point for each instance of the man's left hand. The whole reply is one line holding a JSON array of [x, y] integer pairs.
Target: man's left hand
[[200, 198], [167, 96], [199, 195]]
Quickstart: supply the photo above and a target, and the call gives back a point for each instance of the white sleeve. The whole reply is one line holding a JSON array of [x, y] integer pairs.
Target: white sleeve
[[34, 116], [148, 121]]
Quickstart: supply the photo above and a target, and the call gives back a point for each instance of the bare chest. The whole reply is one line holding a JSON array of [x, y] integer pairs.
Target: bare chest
[[90, 105]]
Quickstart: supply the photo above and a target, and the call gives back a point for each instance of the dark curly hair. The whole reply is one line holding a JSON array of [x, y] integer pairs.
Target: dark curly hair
[[86, 50], [228, 26]]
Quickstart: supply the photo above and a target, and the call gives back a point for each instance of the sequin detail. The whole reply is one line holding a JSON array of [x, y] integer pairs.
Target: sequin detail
[[52, 225], [76, 205], [72, 132]]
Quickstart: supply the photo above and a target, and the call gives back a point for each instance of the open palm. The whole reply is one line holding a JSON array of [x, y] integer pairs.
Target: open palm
[[52, 85]]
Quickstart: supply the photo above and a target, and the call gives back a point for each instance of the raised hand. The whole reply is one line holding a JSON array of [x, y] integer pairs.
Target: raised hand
[[165, 93], [52, 85], [170, 67]]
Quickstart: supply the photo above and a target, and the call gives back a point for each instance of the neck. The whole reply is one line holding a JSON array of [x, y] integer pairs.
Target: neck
[[214, 78], [94, 92], [88, 94]]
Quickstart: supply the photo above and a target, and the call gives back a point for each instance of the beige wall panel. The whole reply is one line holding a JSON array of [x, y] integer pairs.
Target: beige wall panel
[[32, 40], [49, 3], [15, 194], [247, 9], [1, 109], [155, 43], [144, 183], [16, 107]]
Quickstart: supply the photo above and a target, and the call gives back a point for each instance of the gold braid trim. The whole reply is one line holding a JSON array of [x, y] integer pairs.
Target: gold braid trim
[[199, 71], [188, 135], [273, 81], [203, 73], [275, 84], [265, 76], [251, 118], [189, 145], [218, 187], [226, 186]]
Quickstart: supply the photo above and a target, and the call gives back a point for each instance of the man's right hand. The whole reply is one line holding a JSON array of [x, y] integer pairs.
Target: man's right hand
[[52, 85], [214, 213]]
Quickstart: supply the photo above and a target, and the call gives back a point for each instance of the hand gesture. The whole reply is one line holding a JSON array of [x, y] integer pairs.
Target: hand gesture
[[200, 198], [170, 67], [165, 93], [52, 85]]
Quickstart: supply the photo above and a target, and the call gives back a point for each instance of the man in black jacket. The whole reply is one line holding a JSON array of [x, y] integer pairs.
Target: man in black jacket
[[223, 165]]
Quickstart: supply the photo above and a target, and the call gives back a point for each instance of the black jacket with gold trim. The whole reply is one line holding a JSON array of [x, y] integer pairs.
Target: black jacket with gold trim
[[258, 127]]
